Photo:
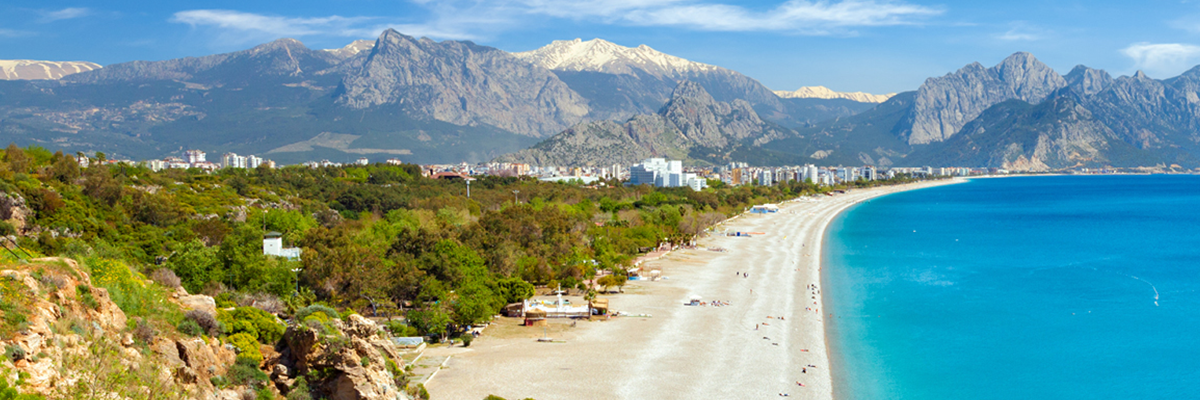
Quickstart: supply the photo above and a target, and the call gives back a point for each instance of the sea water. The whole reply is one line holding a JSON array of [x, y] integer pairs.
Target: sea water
[[1071, 287]]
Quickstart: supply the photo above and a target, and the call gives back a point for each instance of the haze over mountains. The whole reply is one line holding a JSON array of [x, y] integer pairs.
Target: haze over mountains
[[595, 103]]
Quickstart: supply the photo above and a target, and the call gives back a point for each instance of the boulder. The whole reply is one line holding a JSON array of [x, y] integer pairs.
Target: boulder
[[198, 302]]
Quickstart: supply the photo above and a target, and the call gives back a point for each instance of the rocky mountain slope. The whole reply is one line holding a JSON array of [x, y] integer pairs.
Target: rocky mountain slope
[[1020, 115], [33, 69], [821, 92], [276, 100], [463, 84], [692, 120], [393, 97], [621, 82], [943, 105]]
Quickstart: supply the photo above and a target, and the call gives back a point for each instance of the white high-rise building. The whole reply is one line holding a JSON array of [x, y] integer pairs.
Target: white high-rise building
[[253, 162], [765, 178], [193, 156], [662, 173]]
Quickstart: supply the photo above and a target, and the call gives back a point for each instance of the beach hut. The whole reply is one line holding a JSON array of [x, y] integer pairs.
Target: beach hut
[[535, 317], [764, 209], [599, 306], [514, 310]]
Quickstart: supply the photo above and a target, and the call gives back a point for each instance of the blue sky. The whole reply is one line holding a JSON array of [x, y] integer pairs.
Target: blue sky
[[853, 45]]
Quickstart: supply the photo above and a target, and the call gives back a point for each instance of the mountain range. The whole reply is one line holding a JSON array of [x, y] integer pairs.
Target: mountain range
[[692, 126], [588, 103], [397, 96]]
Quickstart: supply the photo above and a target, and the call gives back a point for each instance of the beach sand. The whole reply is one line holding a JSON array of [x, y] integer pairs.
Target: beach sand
[[740, 351]]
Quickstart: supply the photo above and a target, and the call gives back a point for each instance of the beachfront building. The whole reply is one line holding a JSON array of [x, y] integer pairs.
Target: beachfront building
[[663, 173]]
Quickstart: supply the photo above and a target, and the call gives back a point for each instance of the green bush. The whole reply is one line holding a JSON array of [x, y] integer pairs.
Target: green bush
[[259, 324], [11, 393], [189, 327], [225, 300], [246, 372], [400, 329], [14, 352], [299, 390], [330, 313], [84, 293], [466, 339], [247, 347]]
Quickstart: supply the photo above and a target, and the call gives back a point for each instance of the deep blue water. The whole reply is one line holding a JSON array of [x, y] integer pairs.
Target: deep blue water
[[1019, 288]]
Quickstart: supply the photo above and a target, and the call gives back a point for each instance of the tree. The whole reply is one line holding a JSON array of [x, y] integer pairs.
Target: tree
[[195, 264], [17, 160], [432, 321], [607, 281], [65, 168], [514, 290]]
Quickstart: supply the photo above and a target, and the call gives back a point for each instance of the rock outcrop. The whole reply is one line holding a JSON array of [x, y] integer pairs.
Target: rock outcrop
[[462, 83], [356, 359], [72, 339], [691, 119], [14, 211], [943, 105]]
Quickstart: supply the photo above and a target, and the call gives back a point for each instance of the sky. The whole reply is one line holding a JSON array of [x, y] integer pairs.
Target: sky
[[875, 46]]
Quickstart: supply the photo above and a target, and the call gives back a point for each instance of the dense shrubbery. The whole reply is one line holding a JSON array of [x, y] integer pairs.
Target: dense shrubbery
[[247, 346], [257, 324], [378, 239]]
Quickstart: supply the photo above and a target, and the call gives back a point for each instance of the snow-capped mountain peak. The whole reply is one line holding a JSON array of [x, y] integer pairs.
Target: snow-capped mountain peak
[[821, 92], [353, 48], [34, 69], [599, 55]]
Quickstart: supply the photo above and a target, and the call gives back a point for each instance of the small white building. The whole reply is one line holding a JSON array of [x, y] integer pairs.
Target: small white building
[[273, 246]]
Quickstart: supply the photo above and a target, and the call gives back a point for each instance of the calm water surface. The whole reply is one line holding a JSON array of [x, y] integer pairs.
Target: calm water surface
[[1020, 288]]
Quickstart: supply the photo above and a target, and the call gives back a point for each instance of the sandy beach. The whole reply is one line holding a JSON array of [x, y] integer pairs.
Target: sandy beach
[[761, 345]]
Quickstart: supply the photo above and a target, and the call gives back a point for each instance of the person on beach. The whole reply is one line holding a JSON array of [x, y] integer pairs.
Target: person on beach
[[804, 370]]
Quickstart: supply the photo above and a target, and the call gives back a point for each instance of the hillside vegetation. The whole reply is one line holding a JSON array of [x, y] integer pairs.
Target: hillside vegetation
[[378, 240]]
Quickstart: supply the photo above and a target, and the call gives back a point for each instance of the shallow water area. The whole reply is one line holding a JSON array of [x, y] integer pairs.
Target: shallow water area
[[1063, 287]]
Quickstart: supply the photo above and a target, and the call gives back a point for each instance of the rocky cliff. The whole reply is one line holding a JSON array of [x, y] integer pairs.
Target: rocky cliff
[[691, 119], [65, 337], [1055, 134], [462, 83], [943, 105], [281, 59]]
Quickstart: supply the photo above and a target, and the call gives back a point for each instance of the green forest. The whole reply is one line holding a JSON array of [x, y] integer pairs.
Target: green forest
[[381, 240]]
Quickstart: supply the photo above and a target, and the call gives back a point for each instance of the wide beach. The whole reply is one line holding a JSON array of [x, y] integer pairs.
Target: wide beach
[[765, 343]]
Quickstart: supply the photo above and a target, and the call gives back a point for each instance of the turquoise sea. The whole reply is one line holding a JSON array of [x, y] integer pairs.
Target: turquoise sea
[[1072, 287]]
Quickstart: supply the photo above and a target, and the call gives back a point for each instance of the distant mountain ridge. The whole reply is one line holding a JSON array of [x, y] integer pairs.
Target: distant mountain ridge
[[621, 82], [821, 92], [34, 69], [598, 55], [692, 120], [1020, 115]]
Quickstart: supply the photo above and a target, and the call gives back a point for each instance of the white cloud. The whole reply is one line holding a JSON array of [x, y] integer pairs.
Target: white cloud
[[1162, 59], [239, 28], [14, 33], [793, 16], [475, 19], [66, 13], [1023, 32]]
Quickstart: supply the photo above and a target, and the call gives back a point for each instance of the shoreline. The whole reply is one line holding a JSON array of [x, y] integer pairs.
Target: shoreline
[[761, 344]]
